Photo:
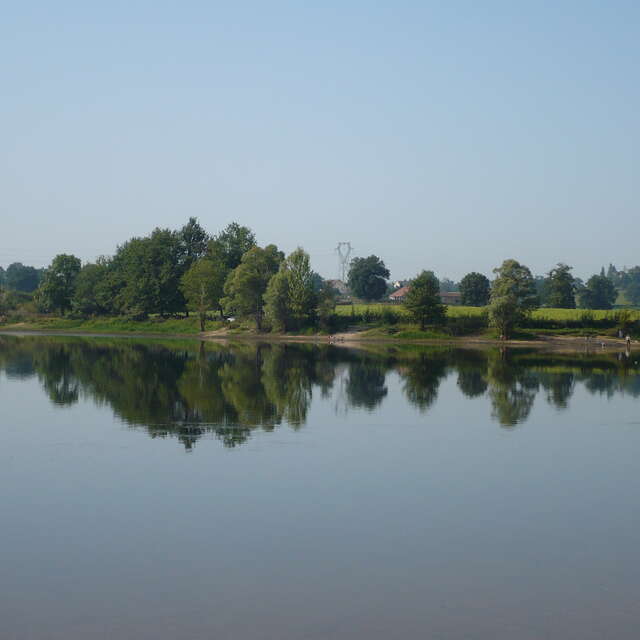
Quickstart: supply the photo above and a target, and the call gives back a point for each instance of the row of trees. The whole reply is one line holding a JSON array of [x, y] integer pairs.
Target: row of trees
[[558, 289], [156, 263], [511, 297], [171, 272]]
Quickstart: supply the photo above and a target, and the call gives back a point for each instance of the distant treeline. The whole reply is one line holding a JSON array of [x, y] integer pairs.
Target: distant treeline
[[172, 272], [20, 277]]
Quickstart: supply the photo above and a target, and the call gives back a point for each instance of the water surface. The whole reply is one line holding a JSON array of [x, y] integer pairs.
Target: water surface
[[176, 489]]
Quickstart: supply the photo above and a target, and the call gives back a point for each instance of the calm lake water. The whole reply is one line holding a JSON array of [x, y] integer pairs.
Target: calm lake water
[[177, 490]]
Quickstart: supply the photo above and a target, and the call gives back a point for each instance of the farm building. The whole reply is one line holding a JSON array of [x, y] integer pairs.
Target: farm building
[[399, 295]]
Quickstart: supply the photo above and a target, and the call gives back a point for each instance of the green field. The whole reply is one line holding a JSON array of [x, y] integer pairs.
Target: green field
[[455, 311]]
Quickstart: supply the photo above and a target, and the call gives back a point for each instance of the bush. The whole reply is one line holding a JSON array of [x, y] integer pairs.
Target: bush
[[388, 316]]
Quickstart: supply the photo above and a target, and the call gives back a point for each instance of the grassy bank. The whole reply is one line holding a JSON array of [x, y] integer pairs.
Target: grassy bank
[[168, 326], [369, 321]]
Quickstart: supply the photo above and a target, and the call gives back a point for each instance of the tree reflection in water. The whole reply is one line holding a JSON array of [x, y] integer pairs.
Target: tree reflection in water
[[189, 389]]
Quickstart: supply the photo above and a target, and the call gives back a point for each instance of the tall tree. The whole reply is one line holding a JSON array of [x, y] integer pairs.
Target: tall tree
[[246, 284], [276, 301], [302, 295], [231, 244], [291, 298], [475, 289], [598, 293], [202, 286], [194, 240], [58, 285], [513, 296], [368, 278], [560, 288], [423, 300]]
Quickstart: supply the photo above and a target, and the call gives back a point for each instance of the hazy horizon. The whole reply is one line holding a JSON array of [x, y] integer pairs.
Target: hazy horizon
[[437, 137]]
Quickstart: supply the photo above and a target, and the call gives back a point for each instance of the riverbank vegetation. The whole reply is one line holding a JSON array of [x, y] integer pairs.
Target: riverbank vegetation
[[187, 281]]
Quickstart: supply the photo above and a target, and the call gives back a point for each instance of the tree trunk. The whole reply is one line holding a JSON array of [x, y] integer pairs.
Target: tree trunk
[[202, 319]]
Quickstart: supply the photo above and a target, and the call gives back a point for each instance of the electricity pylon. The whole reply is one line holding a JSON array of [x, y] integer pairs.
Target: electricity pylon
[[344, 251]]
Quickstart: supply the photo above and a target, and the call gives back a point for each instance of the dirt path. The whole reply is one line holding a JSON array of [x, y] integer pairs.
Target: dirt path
[[354, 338]]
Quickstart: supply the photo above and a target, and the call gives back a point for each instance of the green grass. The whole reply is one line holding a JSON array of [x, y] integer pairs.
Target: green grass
[[457, 311], [189, 325]]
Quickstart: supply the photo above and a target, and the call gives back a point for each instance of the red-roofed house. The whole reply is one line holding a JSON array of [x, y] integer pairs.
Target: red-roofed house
[[400, 294]]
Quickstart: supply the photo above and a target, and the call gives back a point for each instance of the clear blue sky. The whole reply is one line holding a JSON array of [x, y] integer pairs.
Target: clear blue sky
[[445, 136]]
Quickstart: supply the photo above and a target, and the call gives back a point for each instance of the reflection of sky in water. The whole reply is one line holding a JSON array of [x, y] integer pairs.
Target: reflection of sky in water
[[378, 511]]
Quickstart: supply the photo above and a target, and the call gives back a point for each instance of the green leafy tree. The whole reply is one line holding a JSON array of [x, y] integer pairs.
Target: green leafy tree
[[475, 290], [58, 285], [194, 240], [247, 283], [202, 287], [20, 277], [302, 295], [276, 301], [291, 298], [423, 300], [231, 244], [147, 273], [598, 293], [86, 299], [368, 278], [513, 296], [560, 288]]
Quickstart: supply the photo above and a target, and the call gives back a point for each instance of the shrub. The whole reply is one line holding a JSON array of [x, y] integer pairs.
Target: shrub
[[388, 316]]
